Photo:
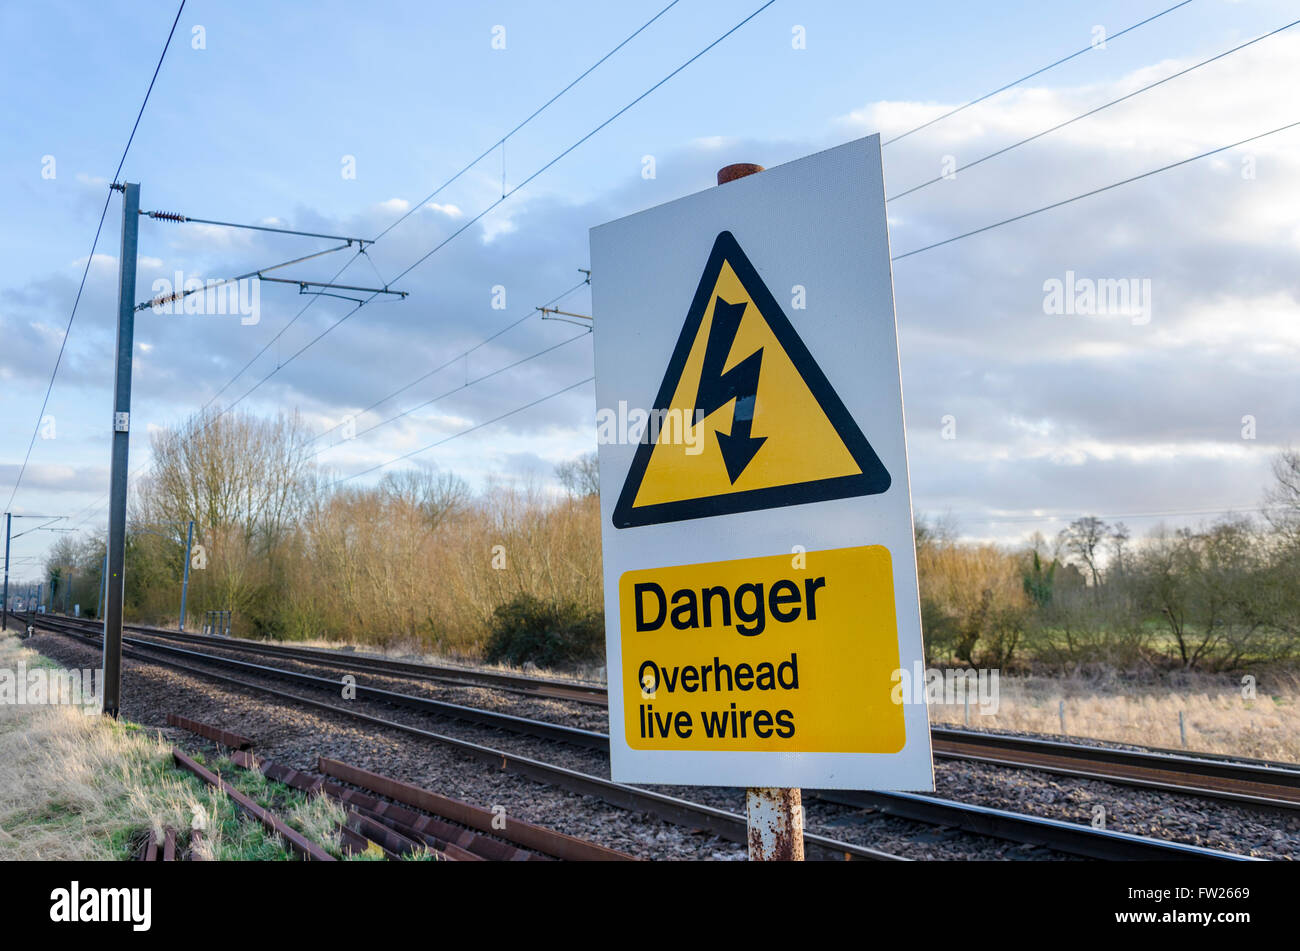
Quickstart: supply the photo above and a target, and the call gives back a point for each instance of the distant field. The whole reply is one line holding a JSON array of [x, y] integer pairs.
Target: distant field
[[1218, 718]]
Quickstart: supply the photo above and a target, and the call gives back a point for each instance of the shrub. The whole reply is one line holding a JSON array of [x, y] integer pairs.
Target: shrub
[[546, 633]]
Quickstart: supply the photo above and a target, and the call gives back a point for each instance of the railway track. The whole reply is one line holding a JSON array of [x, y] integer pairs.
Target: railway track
[[1053, 834], [539, 687], [682, 812], [1245, 782]]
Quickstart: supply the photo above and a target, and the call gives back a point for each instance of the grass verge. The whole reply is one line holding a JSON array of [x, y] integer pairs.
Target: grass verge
[[76, 786]]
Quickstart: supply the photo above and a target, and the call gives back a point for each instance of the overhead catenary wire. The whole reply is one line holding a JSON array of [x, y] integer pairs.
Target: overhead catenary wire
[[1092, 192], [433, 194], [1093, 112], [496, 203], [58, 360], [1062, 203], [43, 527], [182, 293], [463, 432], [997, 224], [451, 361], [281, 364], [186, 219], [1037, 72], [97, 506], [454, 390], [537, 112], [446, 184], [1170, 513]]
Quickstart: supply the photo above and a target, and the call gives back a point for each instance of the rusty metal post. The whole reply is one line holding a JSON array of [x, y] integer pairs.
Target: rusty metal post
[[775, 814], [775, 824]]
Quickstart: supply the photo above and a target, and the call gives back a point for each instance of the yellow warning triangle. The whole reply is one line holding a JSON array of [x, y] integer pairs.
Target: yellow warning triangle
[[744, 419]]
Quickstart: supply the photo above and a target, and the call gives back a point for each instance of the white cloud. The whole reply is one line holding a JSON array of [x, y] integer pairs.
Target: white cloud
[[1092, 413], [101, 262]]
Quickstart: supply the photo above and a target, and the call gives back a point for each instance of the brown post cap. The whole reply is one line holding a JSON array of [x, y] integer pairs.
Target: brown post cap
[[732, 172]]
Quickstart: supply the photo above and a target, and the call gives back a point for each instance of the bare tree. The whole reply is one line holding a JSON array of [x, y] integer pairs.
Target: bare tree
[[581, 476], [232, 470], [1282, 499], [1119, 555], [243, 480], [436, 495], [1083, 538]]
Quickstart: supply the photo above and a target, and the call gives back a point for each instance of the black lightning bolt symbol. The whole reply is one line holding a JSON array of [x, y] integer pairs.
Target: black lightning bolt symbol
[[739, 383]]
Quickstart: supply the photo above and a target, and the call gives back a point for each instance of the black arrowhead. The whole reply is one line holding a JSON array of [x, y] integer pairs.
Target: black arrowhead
[[738, 450]]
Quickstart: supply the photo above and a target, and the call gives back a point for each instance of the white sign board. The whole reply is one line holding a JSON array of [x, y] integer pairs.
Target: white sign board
[[761, 605]]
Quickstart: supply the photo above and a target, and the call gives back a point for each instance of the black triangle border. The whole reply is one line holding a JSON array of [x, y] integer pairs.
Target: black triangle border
[[872, 480]]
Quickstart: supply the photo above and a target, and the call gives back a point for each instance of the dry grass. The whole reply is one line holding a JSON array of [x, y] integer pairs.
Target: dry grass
[[76, 787], [1217, 717]]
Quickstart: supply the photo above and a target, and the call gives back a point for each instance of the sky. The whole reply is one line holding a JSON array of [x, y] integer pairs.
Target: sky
[[341, 119]]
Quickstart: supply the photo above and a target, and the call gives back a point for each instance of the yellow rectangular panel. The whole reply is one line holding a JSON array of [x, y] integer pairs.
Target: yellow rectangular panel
[[784, 653]]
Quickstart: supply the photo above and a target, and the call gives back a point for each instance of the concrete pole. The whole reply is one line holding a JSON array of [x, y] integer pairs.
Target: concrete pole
[[112, 672], [775, 814]]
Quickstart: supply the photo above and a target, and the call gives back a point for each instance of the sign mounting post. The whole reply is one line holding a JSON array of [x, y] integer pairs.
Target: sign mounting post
[[762, 618], [775, 814]]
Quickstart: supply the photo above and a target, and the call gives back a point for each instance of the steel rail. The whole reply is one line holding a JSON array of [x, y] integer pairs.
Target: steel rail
[[1244, 781], [541, 729], [1263, 782], [1047, 833], [1017, 827], [517, 683], [682, 812], [547, 688], [1251, 784]]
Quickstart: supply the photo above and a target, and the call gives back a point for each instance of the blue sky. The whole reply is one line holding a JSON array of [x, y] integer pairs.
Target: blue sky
[[1054, 415]]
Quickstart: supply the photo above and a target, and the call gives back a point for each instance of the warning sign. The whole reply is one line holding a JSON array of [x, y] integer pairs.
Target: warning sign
[[779, 653], [756, 524], [757, 423]]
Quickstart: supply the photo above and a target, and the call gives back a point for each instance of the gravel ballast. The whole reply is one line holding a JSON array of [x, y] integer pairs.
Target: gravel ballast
[[295, 735]]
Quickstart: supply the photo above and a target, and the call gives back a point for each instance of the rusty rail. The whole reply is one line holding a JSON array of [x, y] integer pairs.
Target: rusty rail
[[515, 830], [214, 733], [300, 844], [680, 812], [451, 840], [455, 842], [155, 850]]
